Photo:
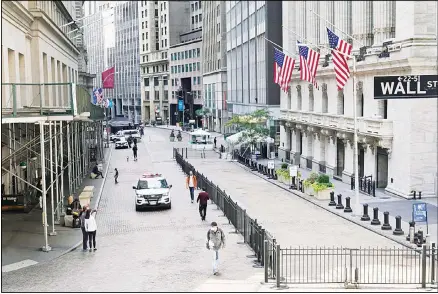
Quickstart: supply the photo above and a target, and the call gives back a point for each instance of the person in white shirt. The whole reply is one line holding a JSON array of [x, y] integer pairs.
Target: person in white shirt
[[91, 228]]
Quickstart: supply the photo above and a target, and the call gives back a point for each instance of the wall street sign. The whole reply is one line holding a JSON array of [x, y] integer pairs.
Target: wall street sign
[[406, 87]]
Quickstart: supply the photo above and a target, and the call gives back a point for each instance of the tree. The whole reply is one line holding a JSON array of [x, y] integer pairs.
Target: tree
[[252, 125]]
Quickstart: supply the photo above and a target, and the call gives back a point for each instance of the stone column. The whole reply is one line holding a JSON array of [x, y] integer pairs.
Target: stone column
[[312, 25], [370, 161], [330, 155], [383, 21], [362, 24], [316, 151], [60, 80], [300, 24], [305, 143], [287, 139], [326, 10], [293, 146], [416, 19], [342, 19], [349, 161]]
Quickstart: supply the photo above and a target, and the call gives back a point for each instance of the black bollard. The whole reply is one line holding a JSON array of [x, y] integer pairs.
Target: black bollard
[[365, 216], [386, 225], [332, 199], [339, 205], [347, 205], [398, 230], [415, 195], [375, 221], [420, 238], [411, 225], [419, 195]]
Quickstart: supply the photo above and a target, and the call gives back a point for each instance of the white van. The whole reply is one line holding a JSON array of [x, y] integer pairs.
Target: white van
[[134, 133]]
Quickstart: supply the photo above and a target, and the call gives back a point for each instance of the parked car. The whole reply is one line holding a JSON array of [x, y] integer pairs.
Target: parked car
[[121, 143]]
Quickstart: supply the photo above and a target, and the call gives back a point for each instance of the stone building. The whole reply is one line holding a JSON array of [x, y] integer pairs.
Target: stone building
[[397, 138]]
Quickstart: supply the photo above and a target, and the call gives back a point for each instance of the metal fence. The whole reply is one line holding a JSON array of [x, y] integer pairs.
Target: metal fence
[[38, 98], [320, 265]]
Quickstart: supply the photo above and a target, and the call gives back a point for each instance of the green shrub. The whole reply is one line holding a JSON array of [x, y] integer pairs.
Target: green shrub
[[283, 173], [284, 165], [323, 179]]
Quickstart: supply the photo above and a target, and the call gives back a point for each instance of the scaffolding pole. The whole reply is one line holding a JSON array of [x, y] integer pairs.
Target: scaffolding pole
[[52, 208], [62, 170], [57, 210], [69, 161], [46, 247]]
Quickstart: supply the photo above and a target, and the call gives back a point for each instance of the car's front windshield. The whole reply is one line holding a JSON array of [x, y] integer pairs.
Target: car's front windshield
[[152, 184]]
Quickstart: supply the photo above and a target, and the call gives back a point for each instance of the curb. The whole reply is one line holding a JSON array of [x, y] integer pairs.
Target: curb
[[326, 209], [95, 206]]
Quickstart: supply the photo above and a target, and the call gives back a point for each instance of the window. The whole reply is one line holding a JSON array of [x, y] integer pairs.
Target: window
[[190, 67], [156, 12], [199, 4], [165, 42], [190, 53], [179, 55], [193, 20], [187, 68], [147, 35], [162, 43], [199, 80], [196, 18], [161, 20], [162, 31], [165, 82], [193, 7], [142, 14], [165, 19], [155, 81], [161, 7], [147, 95], [166, 93], [165, 30], [186, 54], [182, 68], [142, 24], [144, 47], [173, 84], [146, 82], [199, 65], [164, 5], [147, 47], [200, 17], [179, 68], [142, 36], [196, 5], [157, 95], [194, 80], [198, 52], [146, 24], [157, 46]]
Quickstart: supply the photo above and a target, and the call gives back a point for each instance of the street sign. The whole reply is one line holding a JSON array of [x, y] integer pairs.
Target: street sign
[[419, 212], [293, 171], [180, 105], [271, 164], [406, 87]]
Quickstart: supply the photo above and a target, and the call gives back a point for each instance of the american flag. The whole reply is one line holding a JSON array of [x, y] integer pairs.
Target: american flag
[[309, 60], [283, 67], [342, 70]]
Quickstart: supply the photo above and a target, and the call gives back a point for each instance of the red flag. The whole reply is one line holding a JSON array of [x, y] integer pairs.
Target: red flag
[[108, 78]]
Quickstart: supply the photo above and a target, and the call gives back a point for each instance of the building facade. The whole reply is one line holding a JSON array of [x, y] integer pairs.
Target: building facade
[[397, 138], [127, 61], [250, 57], [214, 63], [160, 24], [186, 77], [98, 16]]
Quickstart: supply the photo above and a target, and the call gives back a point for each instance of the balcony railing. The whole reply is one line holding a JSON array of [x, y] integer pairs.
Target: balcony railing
[[366, 126]]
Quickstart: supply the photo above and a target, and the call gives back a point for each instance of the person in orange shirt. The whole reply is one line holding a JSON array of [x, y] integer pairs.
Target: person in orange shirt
[[191, 184]]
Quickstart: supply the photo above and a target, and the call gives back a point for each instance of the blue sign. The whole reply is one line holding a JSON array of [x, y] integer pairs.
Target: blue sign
[[180, 105], [419, 212]]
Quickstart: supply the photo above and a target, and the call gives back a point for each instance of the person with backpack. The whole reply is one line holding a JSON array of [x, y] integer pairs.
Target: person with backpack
[[191, 184], [116, 175], [215, 242], [134, 150]]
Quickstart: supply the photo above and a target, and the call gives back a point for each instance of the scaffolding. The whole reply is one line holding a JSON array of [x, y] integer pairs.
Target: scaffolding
[[47, 153]]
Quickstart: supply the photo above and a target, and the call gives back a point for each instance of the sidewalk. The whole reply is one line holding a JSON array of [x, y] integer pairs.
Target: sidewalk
[[385, 202], [23, 235]]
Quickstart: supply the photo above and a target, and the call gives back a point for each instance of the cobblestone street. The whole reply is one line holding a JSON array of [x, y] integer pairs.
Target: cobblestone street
[[141, 251]]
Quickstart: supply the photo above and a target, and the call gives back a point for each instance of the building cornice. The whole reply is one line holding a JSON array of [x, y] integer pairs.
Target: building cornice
[[37, 13], [18, 13]]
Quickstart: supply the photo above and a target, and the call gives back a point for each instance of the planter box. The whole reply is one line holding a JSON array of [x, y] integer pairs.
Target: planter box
[[309, 191], [324, 194], [284, 180]]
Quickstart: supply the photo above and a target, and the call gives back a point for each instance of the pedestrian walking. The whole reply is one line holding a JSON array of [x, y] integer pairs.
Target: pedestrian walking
[[84, 232], [91, 228], [214, 141], [191, 183], [134, 150], [116, 175], [215, 242], [203, 200]]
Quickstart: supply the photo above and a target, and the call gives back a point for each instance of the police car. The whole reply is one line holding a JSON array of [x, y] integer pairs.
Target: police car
[[153, 191]]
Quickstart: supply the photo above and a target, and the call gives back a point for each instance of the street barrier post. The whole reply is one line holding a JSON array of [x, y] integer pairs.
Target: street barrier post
[[375, 221], [266, 261], [278, 266], [386, 226], [332, 199], [347, 205], [365, 216], [398, 230], [339, 205]]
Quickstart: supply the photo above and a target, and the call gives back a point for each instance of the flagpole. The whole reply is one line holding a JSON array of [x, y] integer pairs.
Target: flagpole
[[356, 210], [280, 47]]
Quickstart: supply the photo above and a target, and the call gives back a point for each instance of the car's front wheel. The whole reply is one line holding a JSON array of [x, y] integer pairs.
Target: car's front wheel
[[169, 206], [137, 208]]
